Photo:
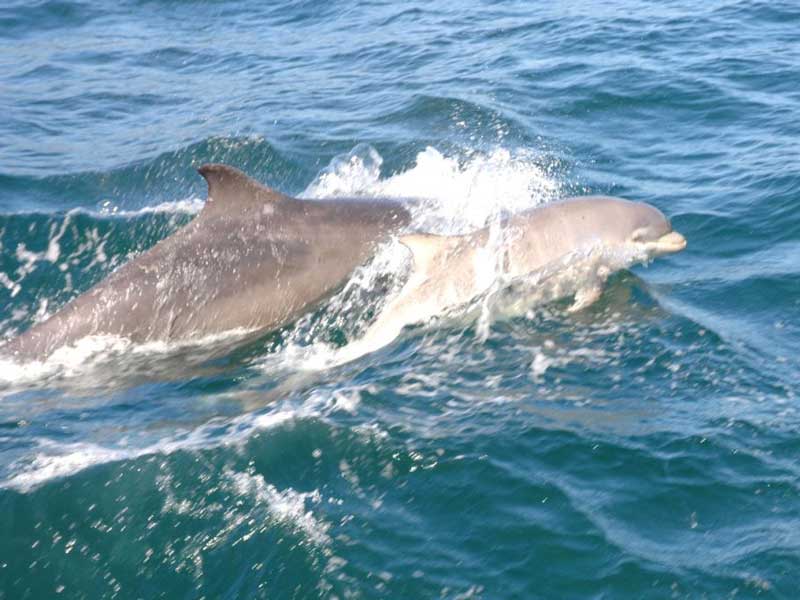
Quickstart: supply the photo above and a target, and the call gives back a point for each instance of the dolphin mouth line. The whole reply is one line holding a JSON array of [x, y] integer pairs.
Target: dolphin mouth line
[[669, 243]]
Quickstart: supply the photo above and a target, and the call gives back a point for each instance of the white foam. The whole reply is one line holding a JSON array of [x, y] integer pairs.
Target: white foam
[[287, 506], [457, 193], [67, 361], [541, 362], [257, 506], [91, 357], [70, 458]]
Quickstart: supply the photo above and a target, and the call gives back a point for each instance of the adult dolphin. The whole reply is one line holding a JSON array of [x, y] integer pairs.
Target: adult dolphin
[[253, 259]]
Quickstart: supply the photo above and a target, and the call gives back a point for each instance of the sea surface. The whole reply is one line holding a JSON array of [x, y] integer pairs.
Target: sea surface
[[646, 447]]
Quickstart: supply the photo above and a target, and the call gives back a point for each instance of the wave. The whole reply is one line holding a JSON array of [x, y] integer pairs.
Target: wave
[[51, 459]]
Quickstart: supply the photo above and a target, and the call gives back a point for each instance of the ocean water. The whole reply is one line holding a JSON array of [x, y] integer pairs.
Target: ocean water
[[647, 447]]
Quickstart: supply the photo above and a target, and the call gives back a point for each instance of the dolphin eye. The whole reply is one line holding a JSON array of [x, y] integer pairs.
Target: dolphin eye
[[639, 235]]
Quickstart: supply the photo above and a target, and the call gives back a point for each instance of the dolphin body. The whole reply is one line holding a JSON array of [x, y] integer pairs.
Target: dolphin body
[[255, 259], [592, 236]]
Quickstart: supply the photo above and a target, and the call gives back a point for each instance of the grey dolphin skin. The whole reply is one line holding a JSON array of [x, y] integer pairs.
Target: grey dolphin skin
[[253, 259]]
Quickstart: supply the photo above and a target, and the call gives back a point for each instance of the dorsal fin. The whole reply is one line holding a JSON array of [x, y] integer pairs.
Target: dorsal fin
[[232, 192]]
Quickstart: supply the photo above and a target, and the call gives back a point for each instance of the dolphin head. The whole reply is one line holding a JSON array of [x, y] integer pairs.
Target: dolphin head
[[646, 228], [547, 233], [615, 222]]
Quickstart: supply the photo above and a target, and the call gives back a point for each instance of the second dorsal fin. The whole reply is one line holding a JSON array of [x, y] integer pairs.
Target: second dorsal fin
[[232, 192]]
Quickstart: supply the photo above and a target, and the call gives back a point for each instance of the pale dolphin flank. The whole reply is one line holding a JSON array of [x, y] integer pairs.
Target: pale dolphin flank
[[253, 259], [599, 233]]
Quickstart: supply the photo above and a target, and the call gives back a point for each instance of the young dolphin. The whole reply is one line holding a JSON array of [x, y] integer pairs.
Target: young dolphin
[[253, 259], [592, 235]]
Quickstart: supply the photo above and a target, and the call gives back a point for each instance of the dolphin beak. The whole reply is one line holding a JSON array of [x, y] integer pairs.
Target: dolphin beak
[[669, 243]]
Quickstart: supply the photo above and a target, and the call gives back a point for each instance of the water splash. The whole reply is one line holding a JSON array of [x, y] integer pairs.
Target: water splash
[[454, 194]]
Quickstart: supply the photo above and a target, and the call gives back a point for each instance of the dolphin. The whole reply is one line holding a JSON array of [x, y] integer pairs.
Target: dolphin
[[592, 236], [253, 259]]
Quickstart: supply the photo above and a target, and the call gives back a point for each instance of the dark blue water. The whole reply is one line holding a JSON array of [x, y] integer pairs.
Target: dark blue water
[[645, 447]]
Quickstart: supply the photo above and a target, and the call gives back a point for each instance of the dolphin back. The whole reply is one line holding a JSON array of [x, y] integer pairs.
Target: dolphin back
[[253, 259]]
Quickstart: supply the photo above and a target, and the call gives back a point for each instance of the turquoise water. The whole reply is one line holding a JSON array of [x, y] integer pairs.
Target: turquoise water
[[646, 447]]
